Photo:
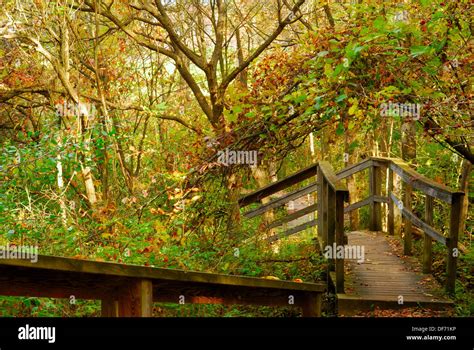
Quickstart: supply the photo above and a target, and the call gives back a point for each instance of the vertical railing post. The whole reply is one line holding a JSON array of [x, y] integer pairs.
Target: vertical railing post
[[340, 197], [321, 186], [452, 242], [375, 182], [407, 226], [109, 308], [427, 241], [391, 211], [331, 221], [136, 299], [312, 305]]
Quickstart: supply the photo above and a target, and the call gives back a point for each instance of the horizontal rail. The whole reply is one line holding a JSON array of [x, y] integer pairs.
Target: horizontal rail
[[297, 214], [293, 230], [135, 288], [358, 205], [331, 178], [364, 202], [278, 186], [430, 231], [355, 168], [380, 199], [278, 202], [134, 271], [422, 183]]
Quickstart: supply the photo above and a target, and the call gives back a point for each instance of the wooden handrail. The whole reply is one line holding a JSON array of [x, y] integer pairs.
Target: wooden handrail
[[278, 202], [130, 290], [331, 177], [332, 193], [429, 230], [422, 183], [277, 186]]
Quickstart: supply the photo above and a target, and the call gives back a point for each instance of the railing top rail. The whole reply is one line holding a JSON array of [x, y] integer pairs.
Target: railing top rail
[[408, 175], [108, 269], [329, 174], [282, 184], [421, 182], [401, 168], [354, 168]]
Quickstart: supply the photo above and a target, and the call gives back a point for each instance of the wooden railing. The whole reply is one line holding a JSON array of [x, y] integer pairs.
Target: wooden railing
[[130, 290], [329, 206], [331, 195], [412, 180]]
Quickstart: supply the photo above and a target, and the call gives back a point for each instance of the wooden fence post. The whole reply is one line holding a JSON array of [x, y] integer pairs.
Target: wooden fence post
[[427, 241], [407, 227], [339, 241], [331, 222], [452, 242], [109, 308], [321, 206], [391, 212], [375, 182], [136, 299], [312, 305]]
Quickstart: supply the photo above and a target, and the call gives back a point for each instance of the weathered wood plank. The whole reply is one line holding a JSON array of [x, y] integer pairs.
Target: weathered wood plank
[[375, 181], [422, 183], [358, 205], [380, 199], [331, 229], [312, 305], [292, 230], [278, 202], [135, 299], [279, 185], [109, 308], [355, 168], [407, 229], [383, 277], [130, 296], [339, 242], [331, 177], [427, 240], [452, 244], [391, 209], [297, 214], [73, 268], [418, 222], [364, 202]]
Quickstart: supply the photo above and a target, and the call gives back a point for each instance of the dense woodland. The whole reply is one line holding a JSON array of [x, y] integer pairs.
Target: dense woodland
[[113, 114]]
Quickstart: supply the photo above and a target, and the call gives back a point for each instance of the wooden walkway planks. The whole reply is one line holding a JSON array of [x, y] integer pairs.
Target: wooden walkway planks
[[384, 278]]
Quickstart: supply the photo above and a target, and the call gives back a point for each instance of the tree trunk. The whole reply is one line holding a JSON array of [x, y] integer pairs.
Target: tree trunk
[[262, 175], [234, 185], [464, 186]]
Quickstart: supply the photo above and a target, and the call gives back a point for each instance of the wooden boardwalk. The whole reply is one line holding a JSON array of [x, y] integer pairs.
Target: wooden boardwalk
[[386, 280]]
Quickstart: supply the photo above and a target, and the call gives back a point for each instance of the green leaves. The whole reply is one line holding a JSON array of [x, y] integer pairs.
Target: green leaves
[[300, 98], [353, 50], [319, 102], [416, 51], [340, 129], [341, 98]]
